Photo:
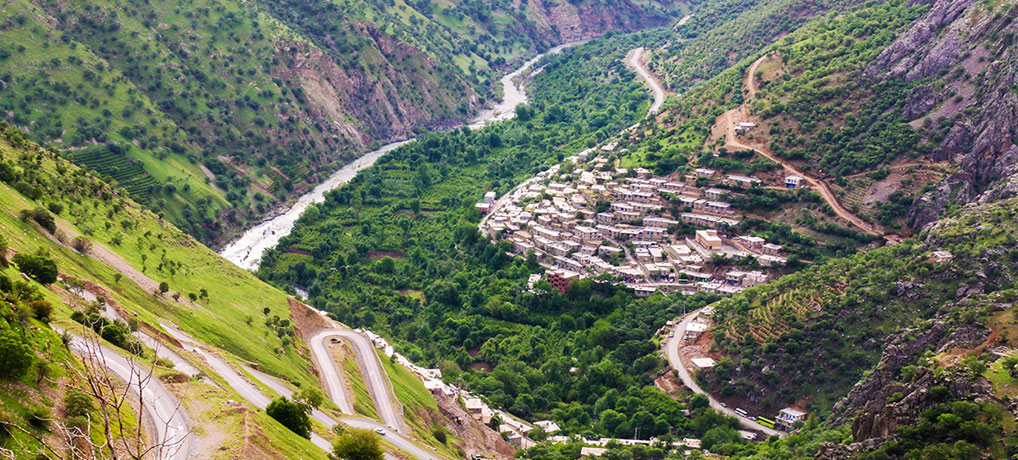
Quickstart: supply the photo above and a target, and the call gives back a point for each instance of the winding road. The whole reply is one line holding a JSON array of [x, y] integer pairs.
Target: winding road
[[675, 360], [169, 423], [635, 62], [374, 376], [255, 397], [727, 121]]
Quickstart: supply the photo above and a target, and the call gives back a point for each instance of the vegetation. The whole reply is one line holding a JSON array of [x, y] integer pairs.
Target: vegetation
[[291, 414], [358, 444], [159, 97]]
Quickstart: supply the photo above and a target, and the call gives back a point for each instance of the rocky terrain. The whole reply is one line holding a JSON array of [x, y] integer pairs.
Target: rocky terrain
[[970, 108]]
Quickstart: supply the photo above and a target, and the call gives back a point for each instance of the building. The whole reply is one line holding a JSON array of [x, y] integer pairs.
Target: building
[[483, 208], [489, 197], [703, 363], [793, 181], [644, 291], [940, 256], [788, 416], [548, 426], [709, 239], [560, 279], [740, 181], [704, 172], [478, 410]]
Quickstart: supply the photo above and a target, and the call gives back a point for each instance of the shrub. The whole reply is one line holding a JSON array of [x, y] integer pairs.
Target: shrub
[[42, 310], [15, 355], [78, 404], [81, 244]]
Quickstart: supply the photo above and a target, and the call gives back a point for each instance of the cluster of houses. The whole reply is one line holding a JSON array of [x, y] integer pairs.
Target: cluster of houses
[[597, 447], [597, 219]]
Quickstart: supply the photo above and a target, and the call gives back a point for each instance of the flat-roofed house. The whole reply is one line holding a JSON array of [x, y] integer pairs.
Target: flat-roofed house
[[709, 239]]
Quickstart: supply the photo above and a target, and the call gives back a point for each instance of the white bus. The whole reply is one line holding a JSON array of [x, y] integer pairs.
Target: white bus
[[742, 413]]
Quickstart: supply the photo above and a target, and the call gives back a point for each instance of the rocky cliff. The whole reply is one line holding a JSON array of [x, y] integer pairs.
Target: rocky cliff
[[962, 55]]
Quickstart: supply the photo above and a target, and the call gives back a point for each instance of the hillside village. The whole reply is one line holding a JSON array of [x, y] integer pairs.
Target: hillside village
[[669, 234]]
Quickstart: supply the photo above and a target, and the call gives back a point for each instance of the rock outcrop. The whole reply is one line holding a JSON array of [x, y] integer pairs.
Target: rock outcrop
[[972, 119]]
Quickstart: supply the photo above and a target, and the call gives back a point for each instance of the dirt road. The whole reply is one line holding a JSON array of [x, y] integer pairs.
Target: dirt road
[[727, 122], [635, 62]]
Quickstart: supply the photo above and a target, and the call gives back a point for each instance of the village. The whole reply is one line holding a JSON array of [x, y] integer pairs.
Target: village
[[590, 218]]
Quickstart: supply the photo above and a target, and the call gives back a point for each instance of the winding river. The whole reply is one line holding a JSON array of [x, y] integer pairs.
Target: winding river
[[246, 251]]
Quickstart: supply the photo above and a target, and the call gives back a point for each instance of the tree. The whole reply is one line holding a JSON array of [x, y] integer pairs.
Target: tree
[[39, 268], [699, 401], [164, 287], [311, 398], [358, 444], [15, 355], [290, 414]]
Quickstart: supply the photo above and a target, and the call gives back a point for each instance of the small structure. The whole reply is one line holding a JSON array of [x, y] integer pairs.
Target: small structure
[[940, 256], [703, 363], [709, 239], [548, 426], [745, 126], [592, 451], [788, 416], [793, 181], [489, 197], [483, 208], [694, 329]]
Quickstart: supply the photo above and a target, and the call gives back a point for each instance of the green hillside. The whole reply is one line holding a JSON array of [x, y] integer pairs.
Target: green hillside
[[215, 112]]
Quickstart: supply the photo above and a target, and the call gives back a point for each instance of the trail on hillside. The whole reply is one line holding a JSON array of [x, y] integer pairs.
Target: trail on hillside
[[727, 122], [635, 61]]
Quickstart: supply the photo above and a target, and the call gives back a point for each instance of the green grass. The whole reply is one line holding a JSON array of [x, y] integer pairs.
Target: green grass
[[362, 402], [417, 401]]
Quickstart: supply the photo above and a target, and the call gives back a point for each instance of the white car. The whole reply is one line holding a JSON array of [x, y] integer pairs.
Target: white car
[[380, 431]]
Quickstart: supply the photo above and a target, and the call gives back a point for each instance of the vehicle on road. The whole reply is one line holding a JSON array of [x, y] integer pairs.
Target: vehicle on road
[[765, 422], [724, 405], [742, 412], [380, 431]]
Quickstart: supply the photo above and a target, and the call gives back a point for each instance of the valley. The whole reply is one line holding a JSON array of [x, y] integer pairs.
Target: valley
[[546, 230]]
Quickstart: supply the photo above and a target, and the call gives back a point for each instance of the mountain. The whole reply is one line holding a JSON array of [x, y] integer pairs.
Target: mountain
[[216, 112], [85, 266]]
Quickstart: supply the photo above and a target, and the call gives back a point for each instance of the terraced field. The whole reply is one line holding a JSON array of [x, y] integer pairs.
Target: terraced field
[[770, 320]]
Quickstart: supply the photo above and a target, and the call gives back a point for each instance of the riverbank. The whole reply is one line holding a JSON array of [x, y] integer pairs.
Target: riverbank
[[247, 250]]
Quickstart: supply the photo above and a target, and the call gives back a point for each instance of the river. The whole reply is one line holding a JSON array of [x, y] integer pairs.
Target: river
[[246, 251]]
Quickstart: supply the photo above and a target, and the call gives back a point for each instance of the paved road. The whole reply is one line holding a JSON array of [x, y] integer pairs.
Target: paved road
[[253, 395], [636, 63], [371, 369], [672, 352], [166, 416], [358, 422]]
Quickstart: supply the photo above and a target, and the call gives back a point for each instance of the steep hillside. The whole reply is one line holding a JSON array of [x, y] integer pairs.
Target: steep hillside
[[214, 111], [922, 337], [96, 260]]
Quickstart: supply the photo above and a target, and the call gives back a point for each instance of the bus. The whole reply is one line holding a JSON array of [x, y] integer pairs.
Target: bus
[[742, 412], [765, 422]]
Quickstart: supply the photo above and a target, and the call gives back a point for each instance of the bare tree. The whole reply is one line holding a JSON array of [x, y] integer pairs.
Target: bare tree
[[114, 381]]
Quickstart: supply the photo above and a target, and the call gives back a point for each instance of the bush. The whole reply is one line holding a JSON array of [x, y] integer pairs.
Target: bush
[[358, 444], [78, 404], [15, 355], [81, 244], [39, 268], [290, 414], [439, 433], [41, 309]]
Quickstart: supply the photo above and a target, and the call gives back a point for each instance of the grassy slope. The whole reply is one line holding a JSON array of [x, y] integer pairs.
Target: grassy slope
[[220, 323]]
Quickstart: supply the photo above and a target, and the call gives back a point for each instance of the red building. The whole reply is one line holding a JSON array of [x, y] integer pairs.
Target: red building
[[560, 279]]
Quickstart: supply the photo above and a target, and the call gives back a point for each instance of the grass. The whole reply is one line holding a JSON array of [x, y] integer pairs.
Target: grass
[[419, 406], [361, 400]]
